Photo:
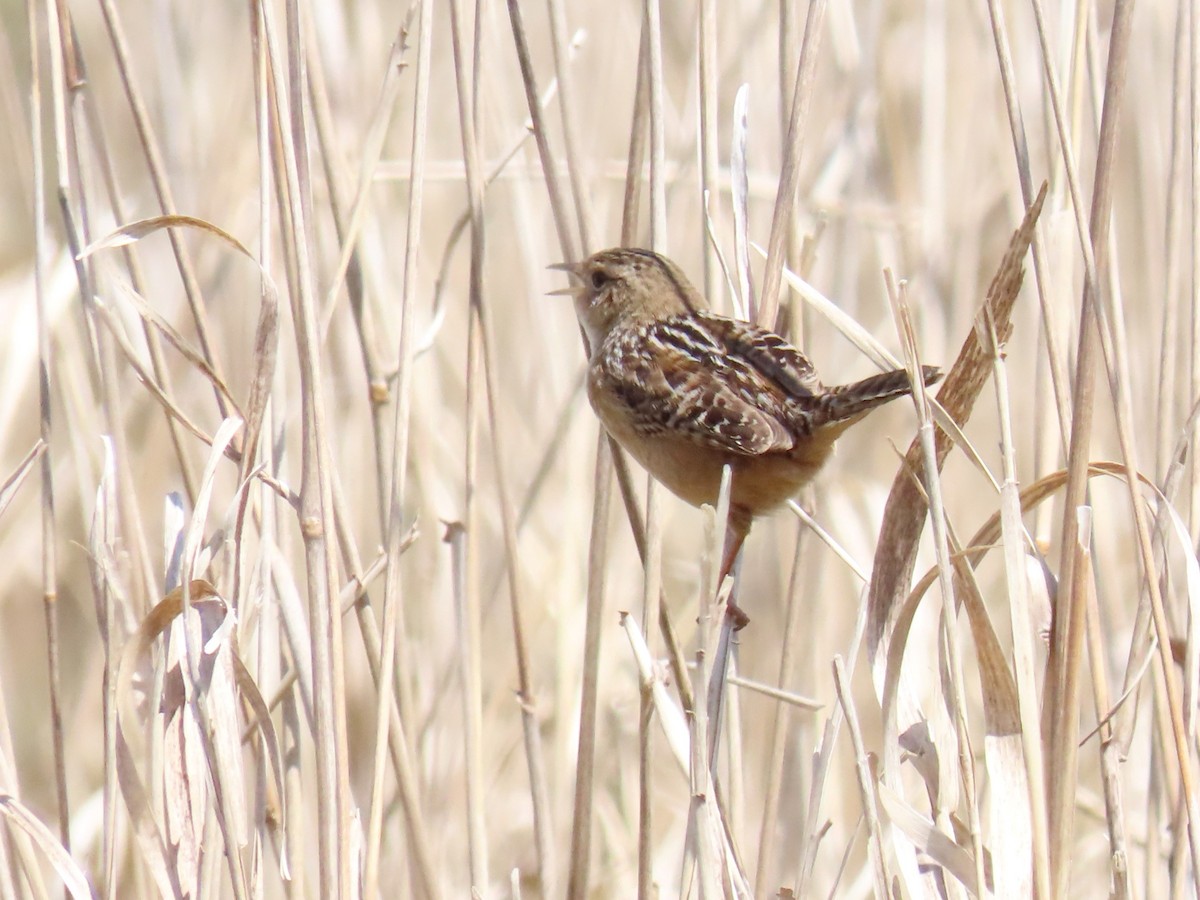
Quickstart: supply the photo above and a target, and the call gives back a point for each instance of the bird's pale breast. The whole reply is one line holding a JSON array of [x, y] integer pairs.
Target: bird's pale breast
[[692, 471]]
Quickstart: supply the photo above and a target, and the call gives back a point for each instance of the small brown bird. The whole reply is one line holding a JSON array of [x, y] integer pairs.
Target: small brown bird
[[686, 392]]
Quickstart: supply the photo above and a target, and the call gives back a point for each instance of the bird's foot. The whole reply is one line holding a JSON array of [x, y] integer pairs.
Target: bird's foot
[[737, 616]]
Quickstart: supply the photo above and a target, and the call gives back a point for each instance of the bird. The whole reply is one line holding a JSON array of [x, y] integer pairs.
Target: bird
[[686, 392]]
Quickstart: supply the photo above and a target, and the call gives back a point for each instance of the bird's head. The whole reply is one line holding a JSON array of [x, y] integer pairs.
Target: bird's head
[[623, 286]]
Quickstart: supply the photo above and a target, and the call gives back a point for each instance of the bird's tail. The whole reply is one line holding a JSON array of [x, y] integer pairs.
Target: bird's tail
[[845, 404]]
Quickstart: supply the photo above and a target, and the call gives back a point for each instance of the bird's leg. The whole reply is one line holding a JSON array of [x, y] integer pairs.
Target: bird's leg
[[735, 535]]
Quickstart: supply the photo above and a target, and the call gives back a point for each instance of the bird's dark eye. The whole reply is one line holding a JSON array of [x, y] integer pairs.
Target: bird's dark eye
[[599, 279]]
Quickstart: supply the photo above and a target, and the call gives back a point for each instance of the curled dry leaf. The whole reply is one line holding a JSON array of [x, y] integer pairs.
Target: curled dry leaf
[[135, 231], [17, 816], [216, 643], [266, 334]]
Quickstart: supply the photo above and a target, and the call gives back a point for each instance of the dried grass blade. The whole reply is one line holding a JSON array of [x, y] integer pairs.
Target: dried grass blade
[[14, 481], [1012, 826], [1014, 861], [101, 539], [372, 149], [1110, 767], [789, 179], [567, 244], [18, 816], [568, 107], [249, 692], [866, 781], [905, 507], [1064, 716], [926, 836], [888, 618], [151, 317], [745, 305], [670, 717], [853, 332], [134, 231]]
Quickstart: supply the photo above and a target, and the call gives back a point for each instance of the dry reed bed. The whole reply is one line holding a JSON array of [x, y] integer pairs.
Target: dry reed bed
[[278, 363]]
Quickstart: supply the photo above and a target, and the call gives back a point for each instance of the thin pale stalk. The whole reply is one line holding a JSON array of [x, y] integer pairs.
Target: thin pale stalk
[[393, 587], [1194, 367], [445, 678], [1170, 382], [1016, 124], [297, 809], [1025, 674], [1110, 768], [105, 508], [463, 73], [652, 24], [731, 790], [566, 107], [700, 770], [1063, 751], [45, 423], [349, 230], [468, 655], [637, 148], [651, 599], [865, 781], [744, 304], [350, 262], [316, 501], [581, 823], [779, 727], [162, 373], [162, 187], [706, 75], [526, 694], [709, 599], [932, 161], [789, 179], [567, 245], [810, 837]]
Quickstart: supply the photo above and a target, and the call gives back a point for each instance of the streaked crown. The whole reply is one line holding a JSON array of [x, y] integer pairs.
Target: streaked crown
[[624, 286]]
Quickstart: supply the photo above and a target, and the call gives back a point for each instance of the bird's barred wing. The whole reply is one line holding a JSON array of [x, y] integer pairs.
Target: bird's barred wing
[[679, 378], [773, 358]]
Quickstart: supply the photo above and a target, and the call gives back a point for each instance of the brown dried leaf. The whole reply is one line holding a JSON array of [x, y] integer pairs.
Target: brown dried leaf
[[135, 231], [906, 507]]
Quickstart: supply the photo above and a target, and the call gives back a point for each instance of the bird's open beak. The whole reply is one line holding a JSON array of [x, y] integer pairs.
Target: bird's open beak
[[577, 286]]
